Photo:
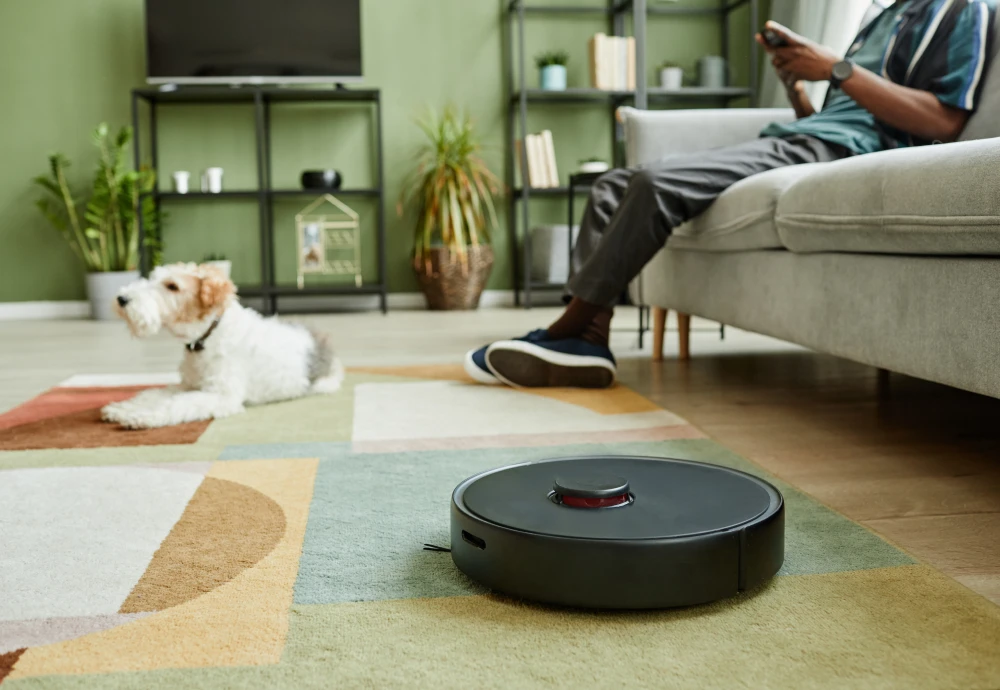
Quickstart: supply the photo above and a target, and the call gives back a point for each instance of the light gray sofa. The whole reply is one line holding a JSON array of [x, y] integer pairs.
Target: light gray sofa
[[890, 259]]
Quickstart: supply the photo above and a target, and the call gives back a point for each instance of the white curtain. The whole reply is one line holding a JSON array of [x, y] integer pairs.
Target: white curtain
[[833, 23]]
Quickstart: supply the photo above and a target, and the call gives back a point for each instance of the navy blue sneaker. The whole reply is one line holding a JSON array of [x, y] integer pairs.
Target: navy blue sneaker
[[535, 361], [475, 366]]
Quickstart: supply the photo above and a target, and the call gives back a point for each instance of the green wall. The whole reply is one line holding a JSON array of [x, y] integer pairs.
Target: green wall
[[69, 64]]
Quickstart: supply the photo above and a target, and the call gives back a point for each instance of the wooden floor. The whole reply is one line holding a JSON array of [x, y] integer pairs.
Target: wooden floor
[[916, 462]]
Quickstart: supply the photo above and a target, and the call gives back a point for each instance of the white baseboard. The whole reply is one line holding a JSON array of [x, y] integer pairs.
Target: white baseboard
[[36, 311]]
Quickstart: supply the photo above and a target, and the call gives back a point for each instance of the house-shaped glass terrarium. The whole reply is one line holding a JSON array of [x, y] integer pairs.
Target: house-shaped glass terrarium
[[329, 238]]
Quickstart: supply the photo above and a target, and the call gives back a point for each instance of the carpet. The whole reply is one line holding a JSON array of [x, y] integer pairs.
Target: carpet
[[282, 548]]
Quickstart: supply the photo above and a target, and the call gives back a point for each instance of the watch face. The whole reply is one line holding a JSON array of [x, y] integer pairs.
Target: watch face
[[842, 70]]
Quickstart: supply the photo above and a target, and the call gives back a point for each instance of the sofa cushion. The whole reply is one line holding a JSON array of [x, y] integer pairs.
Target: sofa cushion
[[742, 219], [942, 199], [986, 122]]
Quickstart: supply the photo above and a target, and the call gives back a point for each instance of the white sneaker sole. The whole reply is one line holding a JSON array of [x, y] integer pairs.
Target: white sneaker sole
[[477, 374], [526, 365]]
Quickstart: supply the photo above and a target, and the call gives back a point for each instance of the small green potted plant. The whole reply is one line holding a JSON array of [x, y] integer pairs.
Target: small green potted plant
[[452, 193], [552, 70], [102, 228], [671, 76], [219, 261]]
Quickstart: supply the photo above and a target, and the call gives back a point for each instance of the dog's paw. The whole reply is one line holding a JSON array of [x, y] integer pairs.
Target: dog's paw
[[129, 416], [113, 413], [326, 385]]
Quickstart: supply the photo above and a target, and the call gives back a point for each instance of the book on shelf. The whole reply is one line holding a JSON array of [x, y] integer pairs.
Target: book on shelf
[[539, 152], [630, 76], [551, 171], [612, 62], [536, 161]]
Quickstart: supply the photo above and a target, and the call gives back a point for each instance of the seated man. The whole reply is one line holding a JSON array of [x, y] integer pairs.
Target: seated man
[[912, 77]]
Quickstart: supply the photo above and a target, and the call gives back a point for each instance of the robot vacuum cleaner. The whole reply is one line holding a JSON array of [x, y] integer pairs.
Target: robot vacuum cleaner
[[617, 532]]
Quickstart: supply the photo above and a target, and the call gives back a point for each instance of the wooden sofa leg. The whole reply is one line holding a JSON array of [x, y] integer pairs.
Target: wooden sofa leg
[[684, 335], [659, 328]]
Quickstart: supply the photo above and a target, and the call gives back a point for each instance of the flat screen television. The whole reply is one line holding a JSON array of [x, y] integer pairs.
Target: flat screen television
[[252, 41]]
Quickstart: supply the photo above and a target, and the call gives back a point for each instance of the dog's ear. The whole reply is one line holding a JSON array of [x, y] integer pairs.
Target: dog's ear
[[216, 289]]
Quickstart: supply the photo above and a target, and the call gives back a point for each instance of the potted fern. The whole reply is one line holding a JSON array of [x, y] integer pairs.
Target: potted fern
[[103, 228], [452, 192]]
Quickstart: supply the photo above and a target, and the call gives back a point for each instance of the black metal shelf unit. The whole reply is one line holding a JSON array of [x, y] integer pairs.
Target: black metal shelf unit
[[262, 98], [520, 96]]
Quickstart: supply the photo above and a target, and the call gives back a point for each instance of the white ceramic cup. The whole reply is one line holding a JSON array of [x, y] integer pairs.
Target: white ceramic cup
[[212, 180], [181, 180]]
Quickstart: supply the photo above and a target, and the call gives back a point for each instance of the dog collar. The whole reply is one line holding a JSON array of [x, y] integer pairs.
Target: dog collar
[[199, 344]]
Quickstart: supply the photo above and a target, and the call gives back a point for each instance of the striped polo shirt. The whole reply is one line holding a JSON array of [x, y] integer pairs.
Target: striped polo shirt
[[939, 46]]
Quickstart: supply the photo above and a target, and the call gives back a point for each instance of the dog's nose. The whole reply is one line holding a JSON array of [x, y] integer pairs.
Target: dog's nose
[[122, 300]]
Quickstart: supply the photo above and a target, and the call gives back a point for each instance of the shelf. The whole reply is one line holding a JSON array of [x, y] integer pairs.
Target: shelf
[[575, 95], [308, 291], [653, 8], [616, 14], [261, 97], [623, 6], [204, 196], [548, 191], [582, 95], [512, 8], [315, 290], [317, 192], [247, 94], [253, 194], [698, 92]]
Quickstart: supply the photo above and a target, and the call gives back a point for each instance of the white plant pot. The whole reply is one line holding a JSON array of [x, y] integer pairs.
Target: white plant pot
[[225, 265], [671, 78], [594, 167], [553, 78], [102, 289]]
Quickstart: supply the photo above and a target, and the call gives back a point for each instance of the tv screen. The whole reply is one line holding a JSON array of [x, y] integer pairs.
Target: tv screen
[[253, 41]]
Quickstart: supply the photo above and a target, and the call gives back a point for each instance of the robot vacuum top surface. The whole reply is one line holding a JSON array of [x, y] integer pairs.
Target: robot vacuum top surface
[[617, 498]]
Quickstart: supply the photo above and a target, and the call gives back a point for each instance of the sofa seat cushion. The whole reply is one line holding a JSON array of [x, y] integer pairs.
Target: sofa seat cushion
[[942, 200], [742, 219]]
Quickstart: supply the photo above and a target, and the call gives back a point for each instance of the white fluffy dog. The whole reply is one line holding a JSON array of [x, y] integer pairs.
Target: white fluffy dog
[[233, 356]]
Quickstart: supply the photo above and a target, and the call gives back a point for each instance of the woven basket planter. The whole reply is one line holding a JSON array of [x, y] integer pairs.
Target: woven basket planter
[[448, 287]]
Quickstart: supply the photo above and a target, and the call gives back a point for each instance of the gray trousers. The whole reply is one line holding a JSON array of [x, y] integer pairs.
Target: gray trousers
[[631, 212]]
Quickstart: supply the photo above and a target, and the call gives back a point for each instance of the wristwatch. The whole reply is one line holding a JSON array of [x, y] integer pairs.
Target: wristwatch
[[841, 72]]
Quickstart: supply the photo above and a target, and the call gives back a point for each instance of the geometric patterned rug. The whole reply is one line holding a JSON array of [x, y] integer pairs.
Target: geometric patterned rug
[[282, 548]]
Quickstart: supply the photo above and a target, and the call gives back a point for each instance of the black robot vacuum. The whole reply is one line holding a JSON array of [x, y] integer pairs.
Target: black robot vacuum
[[618, 532]]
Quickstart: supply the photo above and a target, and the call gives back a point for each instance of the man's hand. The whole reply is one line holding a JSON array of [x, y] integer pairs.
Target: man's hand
[[801, 58], [794, 87]]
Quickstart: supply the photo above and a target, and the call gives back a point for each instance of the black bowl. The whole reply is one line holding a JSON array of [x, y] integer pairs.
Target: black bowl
[[321, 179]]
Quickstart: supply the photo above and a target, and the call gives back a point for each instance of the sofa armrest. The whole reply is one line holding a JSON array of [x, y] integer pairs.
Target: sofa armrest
[[653, 134]]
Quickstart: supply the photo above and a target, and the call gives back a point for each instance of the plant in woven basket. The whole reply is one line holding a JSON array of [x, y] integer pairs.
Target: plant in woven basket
[[452, 192], [103, 229]]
